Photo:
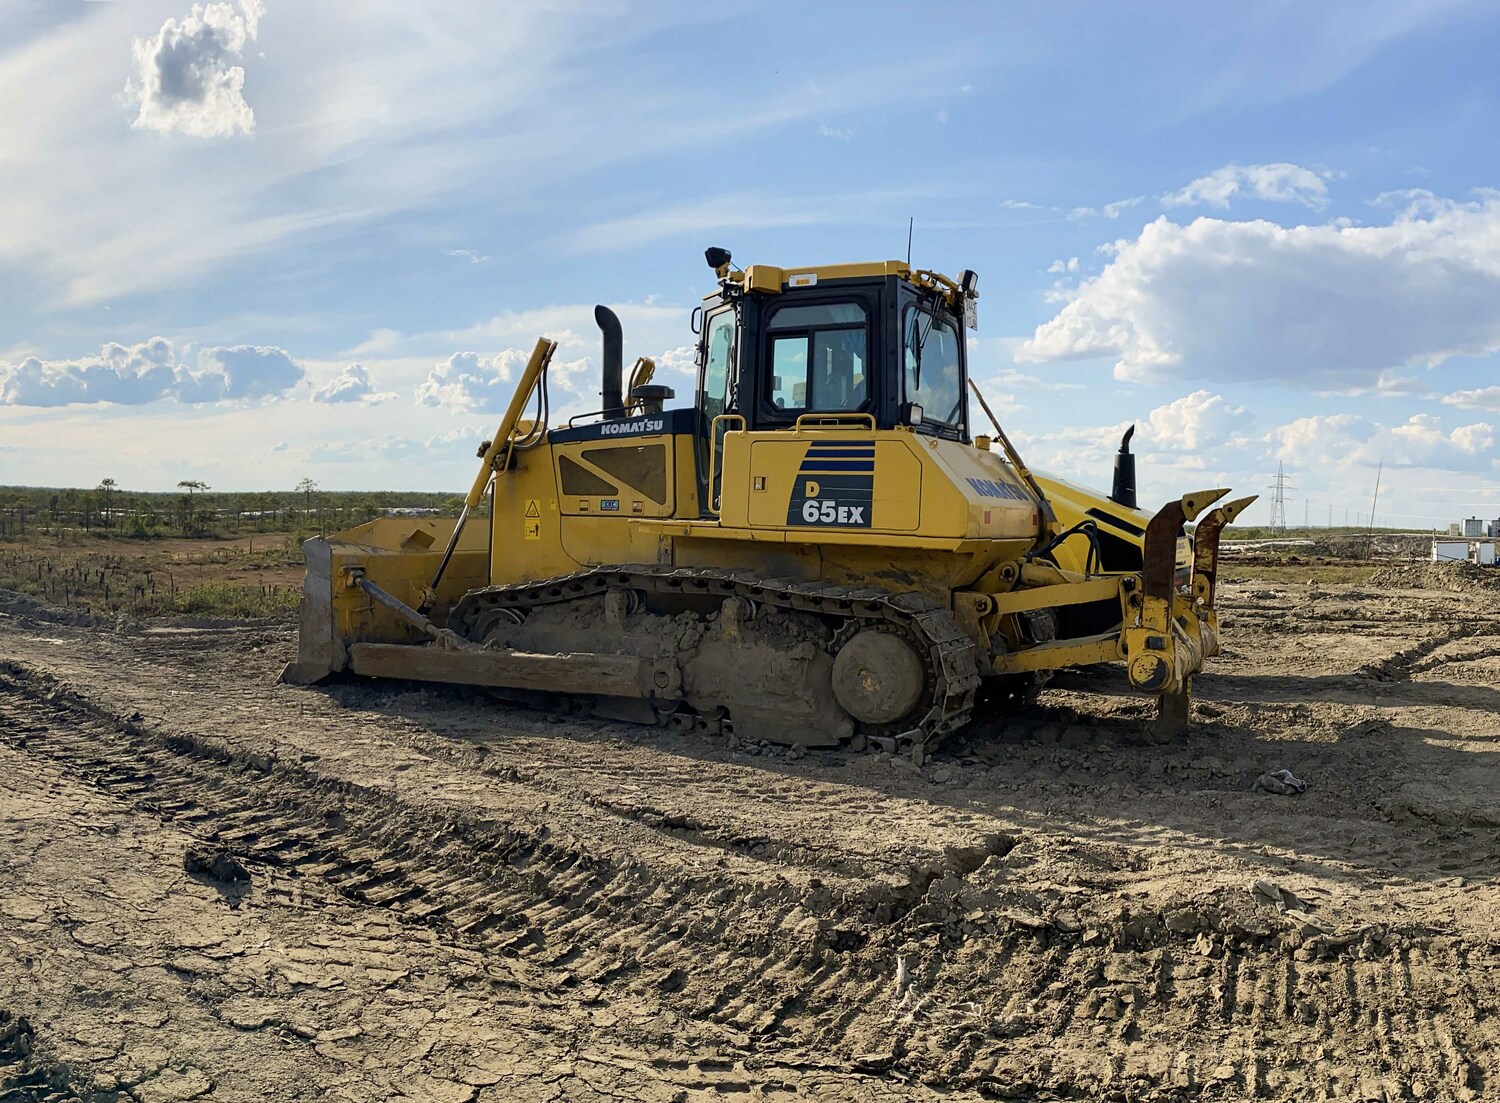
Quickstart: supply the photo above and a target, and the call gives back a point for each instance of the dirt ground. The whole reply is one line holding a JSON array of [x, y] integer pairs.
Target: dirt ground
[[215, 887]]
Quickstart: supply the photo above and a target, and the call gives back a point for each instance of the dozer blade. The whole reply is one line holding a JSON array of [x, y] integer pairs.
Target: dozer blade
[[319, 650], [397, 555]]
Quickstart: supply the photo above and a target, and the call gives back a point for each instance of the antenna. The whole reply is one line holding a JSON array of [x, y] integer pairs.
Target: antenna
[[910, 222], [1278, 503], [1378, 470]]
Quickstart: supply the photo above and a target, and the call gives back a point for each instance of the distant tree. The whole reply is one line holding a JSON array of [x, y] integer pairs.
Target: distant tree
[[307, 488], [189, 512], [107, 488]]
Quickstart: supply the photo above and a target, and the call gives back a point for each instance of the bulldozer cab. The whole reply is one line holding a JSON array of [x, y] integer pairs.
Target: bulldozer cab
[[874, 344]]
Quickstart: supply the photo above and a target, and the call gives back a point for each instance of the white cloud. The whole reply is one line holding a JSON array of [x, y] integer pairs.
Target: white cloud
[[351, 385], [467, 381], [469, 255], [187, 77], [1063, 267], [1200, 420], [406, 108], [153, 370], [1481, 398], [834, 132], [1340, 440], [1109, 210], [1315, 306], [391, 447], [1279, 183]]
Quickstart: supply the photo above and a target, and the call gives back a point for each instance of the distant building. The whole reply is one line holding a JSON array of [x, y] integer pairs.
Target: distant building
[[1473, 527], [1450, 551], [1455, 529], [1495, 527]]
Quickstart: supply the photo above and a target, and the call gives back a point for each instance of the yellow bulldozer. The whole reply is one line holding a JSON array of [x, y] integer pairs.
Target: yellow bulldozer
[[817, 551]]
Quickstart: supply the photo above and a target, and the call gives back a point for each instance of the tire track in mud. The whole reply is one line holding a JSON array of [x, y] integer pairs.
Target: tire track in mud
[[1006, 1005]]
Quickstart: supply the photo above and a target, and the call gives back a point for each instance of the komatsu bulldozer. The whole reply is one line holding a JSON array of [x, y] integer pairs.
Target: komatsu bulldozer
[[820, 549]]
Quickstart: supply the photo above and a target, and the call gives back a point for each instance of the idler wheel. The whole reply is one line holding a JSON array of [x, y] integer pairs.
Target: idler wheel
[[878, 677]]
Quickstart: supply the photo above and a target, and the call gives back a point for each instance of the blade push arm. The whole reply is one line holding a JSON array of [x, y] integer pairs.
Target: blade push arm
[[490, 457]]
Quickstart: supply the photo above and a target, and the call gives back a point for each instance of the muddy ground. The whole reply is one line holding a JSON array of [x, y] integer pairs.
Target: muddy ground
[[215, 887]]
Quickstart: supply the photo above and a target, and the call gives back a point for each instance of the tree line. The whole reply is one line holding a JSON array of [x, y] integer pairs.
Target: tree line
[[196, 509]]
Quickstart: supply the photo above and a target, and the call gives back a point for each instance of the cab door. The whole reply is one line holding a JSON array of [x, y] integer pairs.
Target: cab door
[[715, 373]]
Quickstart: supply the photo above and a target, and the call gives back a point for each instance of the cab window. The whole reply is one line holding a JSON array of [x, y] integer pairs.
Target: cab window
[[932, 376], [716, 364], [818, 358]]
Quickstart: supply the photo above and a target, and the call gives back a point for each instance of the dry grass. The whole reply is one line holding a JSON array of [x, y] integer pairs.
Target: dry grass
[[255, 576]]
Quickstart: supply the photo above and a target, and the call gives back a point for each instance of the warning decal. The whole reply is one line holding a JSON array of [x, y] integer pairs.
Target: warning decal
[[533, 507]]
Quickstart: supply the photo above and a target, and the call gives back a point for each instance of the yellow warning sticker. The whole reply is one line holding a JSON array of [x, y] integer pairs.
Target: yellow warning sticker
[[533, 530], [533, 507]]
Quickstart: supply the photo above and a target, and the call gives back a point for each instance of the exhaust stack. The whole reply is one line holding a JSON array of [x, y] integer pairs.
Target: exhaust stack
[[614, 363], [1124, 488]]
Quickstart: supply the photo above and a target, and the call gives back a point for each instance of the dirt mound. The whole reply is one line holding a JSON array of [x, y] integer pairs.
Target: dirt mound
[[1456, 577], [40, 612]]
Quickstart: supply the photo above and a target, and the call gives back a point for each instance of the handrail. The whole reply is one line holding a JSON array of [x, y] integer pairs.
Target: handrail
[[835, 421], [713, 457]]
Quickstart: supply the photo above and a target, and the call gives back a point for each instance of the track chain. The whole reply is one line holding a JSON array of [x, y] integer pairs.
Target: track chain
[[952, 656]]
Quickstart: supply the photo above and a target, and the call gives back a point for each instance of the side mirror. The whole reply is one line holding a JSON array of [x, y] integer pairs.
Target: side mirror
[[717, 258]]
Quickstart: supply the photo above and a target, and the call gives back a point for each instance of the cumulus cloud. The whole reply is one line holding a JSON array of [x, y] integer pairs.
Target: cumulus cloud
[[1481, 398], [1316, 306], [187, 77], [1278, 183], [1337, 440], [351, 385], [467, 381], [1198, 420], [155, 369]]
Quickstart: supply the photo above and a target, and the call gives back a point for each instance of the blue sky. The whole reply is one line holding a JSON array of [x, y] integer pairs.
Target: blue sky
[[253, 241]]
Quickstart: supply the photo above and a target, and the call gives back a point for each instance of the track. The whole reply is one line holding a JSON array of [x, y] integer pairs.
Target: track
[[950, 656]]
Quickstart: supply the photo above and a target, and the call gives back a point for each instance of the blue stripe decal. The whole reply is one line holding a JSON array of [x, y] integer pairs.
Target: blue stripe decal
[[813, 466]]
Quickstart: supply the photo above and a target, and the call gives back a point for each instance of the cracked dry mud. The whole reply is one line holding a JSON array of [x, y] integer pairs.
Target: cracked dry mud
[[452, 899]]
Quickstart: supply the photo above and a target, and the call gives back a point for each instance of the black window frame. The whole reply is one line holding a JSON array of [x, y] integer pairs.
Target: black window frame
[[767, 413], [935, 309]]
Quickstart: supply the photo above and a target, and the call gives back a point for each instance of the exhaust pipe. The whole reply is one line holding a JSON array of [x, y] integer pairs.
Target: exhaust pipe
[[1124, 488], [614, 363]]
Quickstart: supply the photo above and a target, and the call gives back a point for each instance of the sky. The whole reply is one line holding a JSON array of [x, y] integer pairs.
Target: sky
[[252, 241]]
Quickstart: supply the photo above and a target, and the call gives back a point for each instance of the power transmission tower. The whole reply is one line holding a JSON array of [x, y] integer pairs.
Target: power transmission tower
[[1278, 501]]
